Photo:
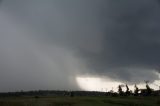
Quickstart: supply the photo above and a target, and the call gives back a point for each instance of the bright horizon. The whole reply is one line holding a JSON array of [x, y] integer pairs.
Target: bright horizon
[[99, 84]]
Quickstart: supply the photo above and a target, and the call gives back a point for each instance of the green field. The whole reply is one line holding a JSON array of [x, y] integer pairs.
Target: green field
[[80, 101]]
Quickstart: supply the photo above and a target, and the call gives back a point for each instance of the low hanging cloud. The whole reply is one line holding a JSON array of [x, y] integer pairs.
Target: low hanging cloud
[[46, 44]]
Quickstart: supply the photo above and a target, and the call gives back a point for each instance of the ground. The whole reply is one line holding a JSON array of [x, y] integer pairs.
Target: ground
[[80, 101]]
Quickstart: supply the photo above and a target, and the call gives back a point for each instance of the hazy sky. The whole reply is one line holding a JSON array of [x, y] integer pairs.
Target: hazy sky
[[46, 44]]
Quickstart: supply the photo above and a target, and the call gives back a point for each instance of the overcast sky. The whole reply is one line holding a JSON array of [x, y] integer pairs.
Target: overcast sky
[[46, 44]]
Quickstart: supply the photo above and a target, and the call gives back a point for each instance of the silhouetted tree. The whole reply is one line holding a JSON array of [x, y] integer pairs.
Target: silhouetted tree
[[136, 90], [120, 90], [149, 91], [127, 90]]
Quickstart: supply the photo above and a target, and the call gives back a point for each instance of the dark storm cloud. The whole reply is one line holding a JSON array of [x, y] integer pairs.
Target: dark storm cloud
[[131, 41], [118, 38], [45, 44]]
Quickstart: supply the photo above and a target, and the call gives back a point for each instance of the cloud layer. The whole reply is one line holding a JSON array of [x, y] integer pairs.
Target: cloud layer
[[46, 44]]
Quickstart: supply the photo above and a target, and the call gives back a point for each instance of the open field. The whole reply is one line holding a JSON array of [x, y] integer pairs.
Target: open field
[[80, 101]]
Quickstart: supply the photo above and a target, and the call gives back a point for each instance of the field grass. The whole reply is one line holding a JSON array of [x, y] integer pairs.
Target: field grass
[[80, 101]]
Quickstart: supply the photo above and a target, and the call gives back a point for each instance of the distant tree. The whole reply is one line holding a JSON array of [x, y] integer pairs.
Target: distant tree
[[71, 94], [120, 90], [149, 91], [127, 90], [136, 90]]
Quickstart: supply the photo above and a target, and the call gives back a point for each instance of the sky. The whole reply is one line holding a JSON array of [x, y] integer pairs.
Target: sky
[[57, 44]]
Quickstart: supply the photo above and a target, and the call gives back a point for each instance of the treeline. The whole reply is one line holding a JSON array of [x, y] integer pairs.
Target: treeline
[[40, 93], [137, 92]]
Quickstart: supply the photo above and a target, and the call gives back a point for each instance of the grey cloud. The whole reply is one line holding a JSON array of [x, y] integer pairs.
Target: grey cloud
[[53, 41]]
